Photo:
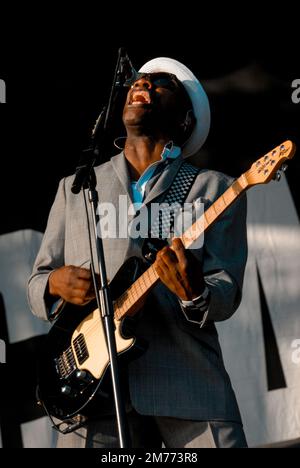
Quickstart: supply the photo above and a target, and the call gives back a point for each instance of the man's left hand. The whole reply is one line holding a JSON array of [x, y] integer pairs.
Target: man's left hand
[[180, 271]]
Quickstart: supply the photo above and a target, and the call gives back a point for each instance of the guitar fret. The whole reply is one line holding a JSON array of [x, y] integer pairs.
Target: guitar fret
[[144, 280], [148, 274], [227, 196], [129, 296], [119, 309], [224, 201], [210, 216], [132, 291], [215, 206], [206, 220], [151, 271]]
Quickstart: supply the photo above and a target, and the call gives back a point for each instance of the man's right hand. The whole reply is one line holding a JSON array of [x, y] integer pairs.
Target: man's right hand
[[73, 284]]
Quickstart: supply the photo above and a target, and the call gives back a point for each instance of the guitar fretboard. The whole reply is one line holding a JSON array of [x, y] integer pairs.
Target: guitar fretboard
[[131, 300]]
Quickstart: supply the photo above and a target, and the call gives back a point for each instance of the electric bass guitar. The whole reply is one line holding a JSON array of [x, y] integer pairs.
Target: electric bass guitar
[[74, 374]]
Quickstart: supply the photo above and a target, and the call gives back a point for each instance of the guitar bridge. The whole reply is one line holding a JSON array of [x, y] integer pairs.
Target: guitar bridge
[[65, 364]]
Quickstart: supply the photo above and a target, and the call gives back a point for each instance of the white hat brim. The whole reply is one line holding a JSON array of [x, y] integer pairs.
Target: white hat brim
[[197, 95]]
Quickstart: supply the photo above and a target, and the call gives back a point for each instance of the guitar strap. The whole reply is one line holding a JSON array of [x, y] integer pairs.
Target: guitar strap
[[173, 201]]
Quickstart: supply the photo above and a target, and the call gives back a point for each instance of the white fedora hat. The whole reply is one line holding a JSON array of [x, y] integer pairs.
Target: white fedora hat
[[196, 93]]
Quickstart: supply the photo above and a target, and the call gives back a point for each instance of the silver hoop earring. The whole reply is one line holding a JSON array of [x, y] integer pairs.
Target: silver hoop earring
[[117, 142]]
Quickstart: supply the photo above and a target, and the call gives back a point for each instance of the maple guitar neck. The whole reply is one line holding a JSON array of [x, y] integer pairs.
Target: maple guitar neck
[[130, 302]]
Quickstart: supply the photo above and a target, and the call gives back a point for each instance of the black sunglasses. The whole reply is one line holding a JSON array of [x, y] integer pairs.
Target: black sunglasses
[[160, 79]]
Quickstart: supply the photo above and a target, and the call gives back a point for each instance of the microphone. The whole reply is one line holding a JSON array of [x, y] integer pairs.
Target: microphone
[[126, 74]]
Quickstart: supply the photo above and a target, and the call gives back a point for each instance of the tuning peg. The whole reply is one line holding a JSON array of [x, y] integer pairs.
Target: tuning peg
[[284, 167], [277, 176]]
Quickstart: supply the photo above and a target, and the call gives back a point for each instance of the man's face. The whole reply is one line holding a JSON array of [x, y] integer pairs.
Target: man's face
[[154, 101]]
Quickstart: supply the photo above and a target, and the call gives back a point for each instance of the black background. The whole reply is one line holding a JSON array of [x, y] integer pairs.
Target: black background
[[59, 71]]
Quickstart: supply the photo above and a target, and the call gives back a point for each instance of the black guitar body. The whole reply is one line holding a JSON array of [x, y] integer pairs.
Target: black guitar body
[[66, 391]]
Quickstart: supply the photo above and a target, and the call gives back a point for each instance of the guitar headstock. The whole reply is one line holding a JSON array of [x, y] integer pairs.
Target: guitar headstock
[[268, 167]]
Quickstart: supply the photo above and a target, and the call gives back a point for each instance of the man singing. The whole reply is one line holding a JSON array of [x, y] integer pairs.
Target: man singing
[[179, 393]]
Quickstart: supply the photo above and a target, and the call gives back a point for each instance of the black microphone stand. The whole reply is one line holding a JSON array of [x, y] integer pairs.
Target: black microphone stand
[[85, 177]]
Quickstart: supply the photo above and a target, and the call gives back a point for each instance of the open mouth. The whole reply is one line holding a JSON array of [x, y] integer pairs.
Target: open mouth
[[139, 98]]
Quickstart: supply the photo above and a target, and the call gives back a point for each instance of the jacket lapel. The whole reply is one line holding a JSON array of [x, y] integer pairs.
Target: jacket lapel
[[165, 180], [120, 167]]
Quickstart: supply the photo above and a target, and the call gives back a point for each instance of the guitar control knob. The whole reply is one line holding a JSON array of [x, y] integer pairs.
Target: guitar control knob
[[83, 376], [284, 167], [66, 390]]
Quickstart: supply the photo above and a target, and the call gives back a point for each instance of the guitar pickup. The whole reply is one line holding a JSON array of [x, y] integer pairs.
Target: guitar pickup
[[81, 350]]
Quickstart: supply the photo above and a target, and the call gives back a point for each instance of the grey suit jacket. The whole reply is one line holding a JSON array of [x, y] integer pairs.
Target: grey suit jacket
[[182, 372]]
